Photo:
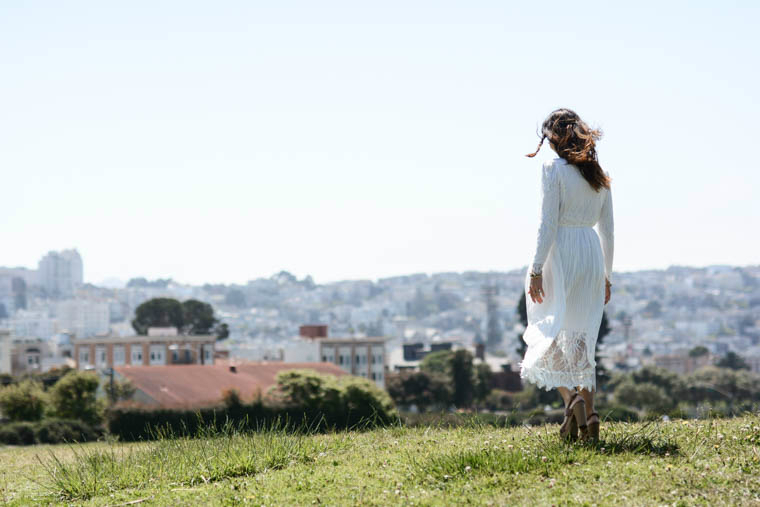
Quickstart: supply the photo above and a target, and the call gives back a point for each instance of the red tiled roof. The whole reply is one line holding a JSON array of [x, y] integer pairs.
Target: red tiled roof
[[195, 385]]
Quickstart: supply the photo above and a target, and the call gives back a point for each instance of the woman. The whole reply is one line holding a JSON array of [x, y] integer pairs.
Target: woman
[[569, 278]]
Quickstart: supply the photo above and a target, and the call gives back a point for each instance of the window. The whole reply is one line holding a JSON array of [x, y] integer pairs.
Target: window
[[340, 359], [84, 357], [157, 354], [324, 358], [137, 354], [118, 355]]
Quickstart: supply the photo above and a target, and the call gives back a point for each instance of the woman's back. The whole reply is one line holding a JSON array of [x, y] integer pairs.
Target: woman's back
[[580, 205]]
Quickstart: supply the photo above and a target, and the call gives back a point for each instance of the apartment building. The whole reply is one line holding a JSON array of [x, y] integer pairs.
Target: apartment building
[[161, 347], [364, 357]]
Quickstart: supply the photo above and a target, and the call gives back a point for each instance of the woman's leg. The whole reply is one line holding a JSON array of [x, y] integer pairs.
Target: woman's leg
[[566, 394], [588, 397]]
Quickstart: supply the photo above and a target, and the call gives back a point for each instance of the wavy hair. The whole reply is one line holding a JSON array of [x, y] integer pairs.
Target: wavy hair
[[574, 141]]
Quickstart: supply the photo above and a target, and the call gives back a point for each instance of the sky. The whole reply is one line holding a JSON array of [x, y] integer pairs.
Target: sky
[[224, 141]]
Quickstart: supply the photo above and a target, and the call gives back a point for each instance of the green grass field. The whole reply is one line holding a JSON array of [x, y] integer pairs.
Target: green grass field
[[708, 462]]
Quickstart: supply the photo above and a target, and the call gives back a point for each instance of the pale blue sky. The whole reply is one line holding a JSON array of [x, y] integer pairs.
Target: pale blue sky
[[222, 141]]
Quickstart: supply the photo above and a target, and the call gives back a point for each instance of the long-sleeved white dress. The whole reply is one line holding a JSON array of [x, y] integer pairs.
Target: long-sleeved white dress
[[574, 260]]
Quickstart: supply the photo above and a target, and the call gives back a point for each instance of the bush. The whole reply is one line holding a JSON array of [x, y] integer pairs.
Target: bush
[[48, 431], [645, 396], [74, 397], [24, 401], [498, 399], [20, 433], [420, 388], [57, 431]]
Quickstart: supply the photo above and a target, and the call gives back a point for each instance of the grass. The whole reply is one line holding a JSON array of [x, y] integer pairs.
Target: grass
[[708, 462]]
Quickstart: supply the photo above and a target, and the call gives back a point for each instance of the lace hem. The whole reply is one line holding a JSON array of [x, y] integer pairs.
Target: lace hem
[[546, 379], [566, 362]]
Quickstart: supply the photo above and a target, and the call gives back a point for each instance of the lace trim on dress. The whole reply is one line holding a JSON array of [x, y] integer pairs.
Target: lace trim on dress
[[566, 363]]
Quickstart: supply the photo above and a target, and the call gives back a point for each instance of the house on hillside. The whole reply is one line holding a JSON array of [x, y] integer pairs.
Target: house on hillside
[[195, 385]]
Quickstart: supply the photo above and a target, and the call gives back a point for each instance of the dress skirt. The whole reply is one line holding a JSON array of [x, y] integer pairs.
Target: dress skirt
[[562, 331]]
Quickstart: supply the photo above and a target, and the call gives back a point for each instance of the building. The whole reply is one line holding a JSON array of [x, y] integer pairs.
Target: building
[[61, 273], [363, 357], [32, 323], [5, 351], [158, 348], [83, 318], [193, 386], [682, 364]]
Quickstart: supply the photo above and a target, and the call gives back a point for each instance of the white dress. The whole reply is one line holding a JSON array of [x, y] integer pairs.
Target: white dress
[[574, 260]]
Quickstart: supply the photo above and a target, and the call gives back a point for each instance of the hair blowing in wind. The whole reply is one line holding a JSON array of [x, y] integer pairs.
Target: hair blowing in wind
[[574, 141]]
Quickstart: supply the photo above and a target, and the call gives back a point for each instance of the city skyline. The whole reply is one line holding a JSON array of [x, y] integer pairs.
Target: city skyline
[[347, 142]]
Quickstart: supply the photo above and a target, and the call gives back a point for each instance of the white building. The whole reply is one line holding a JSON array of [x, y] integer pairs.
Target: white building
[[61, 273], [32, 324], [364, 357], [5, 351], [83, 318]]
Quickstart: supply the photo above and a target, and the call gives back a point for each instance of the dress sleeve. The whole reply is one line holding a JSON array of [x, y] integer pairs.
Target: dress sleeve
[[547, 231], [606, 230]]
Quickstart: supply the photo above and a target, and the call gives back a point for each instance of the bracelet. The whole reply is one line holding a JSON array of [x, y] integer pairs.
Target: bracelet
[[535, 275]]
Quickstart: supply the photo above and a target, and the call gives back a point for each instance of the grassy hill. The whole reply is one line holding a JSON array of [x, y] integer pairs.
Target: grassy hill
[[710, 462]]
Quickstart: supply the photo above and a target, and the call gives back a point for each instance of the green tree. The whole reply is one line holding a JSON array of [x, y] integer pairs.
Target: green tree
[[462, 376], [698, 351], [159, 312], [482, 385], [24, 401], [198, 317], [122, 390], [420, 388], [438, 362], [732, 361], [74, 397], [645, 396]]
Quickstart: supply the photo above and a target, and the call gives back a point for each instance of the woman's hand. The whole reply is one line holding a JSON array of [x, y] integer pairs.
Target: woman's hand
[[536, 289], [607, 291]]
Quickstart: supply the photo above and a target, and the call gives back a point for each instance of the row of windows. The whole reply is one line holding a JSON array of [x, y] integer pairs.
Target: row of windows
[[359, 360], [156, 355]]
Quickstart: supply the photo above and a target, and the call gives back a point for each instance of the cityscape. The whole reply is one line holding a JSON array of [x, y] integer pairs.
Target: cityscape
[[50, 319]]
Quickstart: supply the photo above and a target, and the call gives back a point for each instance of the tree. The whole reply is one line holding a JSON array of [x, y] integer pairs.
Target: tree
[[122, 390], [482, 386], [158, 312], [198, 317], [437, 362], [645, 396], [24, 401], [698, 351], [733, 361], [420, 388], [74, 397], [462, 376]]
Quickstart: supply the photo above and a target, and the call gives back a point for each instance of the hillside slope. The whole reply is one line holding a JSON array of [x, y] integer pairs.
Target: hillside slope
[[712, 462]]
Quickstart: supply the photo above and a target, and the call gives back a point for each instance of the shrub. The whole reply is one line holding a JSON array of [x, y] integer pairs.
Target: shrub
[[420, 388], [57, 431], [74, 397], [24, 401], [498, 399], [644, 395], [19, 433], [47, 431]]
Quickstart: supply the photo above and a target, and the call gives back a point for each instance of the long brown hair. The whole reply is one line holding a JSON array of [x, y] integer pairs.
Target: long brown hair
[[574, 141]]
